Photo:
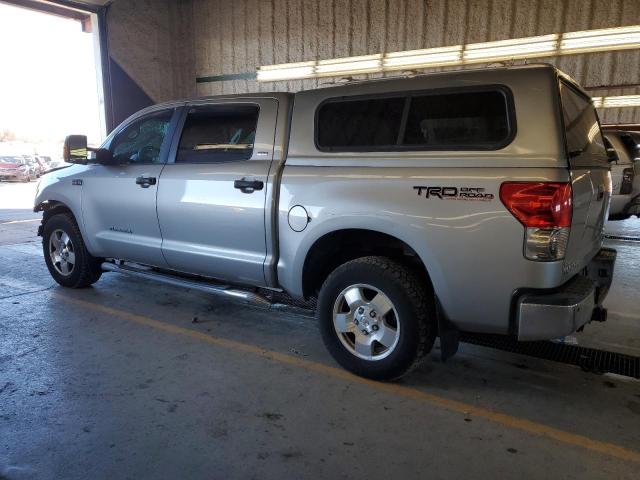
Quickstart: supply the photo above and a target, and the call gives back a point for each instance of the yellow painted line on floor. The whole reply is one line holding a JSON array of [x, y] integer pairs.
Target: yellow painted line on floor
[[510, 421]]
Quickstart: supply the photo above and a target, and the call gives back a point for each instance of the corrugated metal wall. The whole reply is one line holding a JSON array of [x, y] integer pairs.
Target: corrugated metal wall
[[238, 36]]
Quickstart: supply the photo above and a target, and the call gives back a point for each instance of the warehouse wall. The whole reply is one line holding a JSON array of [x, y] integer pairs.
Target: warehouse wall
[[152, 41], [164, 45], [238, 36]]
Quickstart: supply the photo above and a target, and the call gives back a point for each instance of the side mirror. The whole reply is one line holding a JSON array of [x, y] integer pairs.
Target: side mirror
[[75, 149], [612, 155]]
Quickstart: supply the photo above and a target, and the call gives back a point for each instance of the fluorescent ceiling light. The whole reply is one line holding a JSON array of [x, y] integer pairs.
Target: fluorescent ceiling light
[[353, 65], [600, 40], [287, 71], [508, 49], [570, 43], [617, 101], [430, 57]]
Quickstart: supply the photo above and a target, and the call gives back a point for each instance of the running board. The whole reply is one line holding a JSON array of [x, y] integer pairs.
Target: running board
[[203, 286]]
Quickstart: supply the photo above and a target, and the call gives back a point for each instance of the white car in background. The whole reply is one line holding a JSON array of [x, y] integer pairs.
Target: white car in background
[[624, 155]]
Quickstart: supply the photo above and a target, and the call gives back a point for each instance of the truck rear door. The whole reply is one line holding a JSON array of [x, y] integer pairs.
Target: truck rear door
[[212, 193], [590, 177]]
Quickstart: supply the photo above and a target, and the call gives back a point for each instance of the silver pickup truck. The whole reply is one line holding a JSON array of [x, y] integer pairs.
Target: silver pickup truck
[[409, 208]]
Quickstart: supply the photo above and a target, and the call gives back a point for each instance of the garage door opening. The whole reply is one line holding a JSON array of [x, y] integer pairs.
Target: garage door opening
[[50, 86]]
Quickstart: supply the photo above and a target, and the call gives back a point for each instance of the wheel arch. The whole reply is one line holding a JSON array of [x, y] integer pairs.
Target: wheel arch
[[49, 208], [53, 207], [340, 246]]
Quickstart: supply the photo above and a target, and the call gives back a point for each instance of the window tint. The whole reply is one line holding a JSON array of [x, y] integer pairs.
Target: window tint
[[457, 120], [360, 123], [141, 141], [582, 131], [631, 142], [218, 133], [445, 121]]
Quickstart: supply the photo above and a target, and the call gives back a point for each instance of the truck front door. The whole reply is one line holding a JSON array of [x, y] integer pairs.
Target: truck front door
[[119, 201], [212, 194]]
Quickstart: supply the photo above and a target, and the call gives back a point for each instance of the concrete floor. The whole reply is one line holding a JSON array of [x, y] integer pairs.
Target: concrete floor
[[116, 381]]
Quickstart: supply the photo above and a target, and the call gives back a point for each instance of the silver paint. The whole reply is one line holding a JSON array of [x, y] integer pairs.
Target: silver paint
[[472, 250]]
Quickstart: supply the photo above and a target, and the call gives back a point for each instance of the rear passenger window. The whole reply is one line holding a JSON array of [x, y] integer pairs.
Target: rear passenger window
[[464, 120], [218, 133]]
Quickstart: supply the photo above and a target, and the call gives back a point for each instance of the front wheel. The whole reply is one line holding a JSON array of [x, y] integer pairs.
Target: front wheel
[[67, 258], [376, 317]]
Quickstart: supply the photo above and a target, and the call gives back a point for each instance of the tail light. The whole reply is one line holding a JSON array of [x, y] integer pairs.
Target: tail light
[[545, 210]]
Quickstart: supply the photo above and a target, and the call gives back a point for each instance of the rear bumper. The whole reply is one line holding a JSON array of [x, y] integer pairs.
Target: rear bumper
[[543, 315], [12, 176]]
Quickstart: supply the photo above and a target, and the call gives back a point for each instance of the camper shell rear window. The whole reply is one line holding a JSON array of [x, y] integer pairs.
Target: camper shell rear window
[[583, 137]]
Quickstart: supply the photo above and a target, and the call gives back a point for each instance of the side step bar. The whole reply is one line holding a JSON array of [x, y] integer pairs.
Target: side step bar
[[203, 286]]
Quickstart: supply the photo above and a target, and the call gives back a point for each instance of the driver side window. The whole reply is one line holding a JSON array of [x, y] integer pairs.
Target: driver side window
[[141, 141]]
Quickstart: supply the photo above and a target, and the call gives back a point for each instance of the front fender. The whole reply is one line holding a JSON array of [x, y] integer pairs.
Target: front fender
[[63, 187]]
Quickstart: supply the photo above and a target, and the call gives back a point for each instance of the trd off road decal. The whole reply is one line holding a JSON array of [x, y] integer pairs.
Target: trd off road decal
[[454, 193]]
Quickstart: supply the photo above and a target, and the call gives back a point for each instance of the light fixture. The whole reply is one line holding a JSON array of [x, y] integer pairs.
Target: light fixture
[[352, 65], [617, 101], [608, 39], [430, 57], [619, 38], [508, 49], [286, 71]]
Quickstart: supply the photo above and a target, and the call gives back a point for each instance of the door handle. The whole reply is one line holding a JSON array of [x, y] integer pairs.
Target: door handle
[[145, 182], [248, 186], [600, 192]]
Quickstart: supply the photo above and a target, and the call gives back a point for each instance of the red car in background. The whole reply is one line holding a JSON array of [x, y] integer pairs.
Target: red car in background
[[16, 168]]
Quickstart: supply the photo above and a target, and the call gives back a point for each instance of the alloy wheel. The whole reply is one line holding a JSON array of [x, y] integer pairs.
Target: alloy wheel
[[366, 322], [62, 252]]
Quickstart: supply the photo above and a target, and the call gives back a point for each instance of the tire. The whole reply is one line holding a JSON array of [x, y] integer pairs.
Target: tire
[[62, 244], [343, 318]]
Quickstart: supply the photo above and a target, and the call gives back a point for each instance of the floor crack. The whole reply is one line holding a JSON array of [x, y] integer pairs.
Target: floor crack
[[29, 292]]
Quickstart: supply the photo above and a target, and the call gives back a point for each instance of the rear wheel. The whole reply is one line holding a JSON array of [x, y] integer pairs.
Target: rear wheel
[[66, 256], [376, 317]]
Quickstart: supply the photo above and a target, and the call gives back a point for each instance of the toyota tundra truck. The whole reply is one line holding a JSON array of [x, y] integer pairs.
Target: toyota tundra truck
[[407, 208]]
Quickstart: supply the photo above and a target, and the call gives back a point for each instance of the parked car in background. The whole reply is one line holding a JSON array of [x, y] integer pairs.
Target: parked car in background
[[15, 168], [624, 157], [41, 164], [409, 207], [37, 168]]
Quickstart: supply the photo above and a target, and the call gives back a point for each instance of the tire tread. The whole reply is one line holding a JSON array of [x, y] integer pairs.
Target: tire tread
[[417, 291], [90, 270]]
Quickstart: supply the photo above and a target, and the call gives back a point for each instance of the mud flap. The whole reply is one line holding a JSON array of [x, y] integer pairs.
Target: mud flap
[[448, 333], [600, 270]]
